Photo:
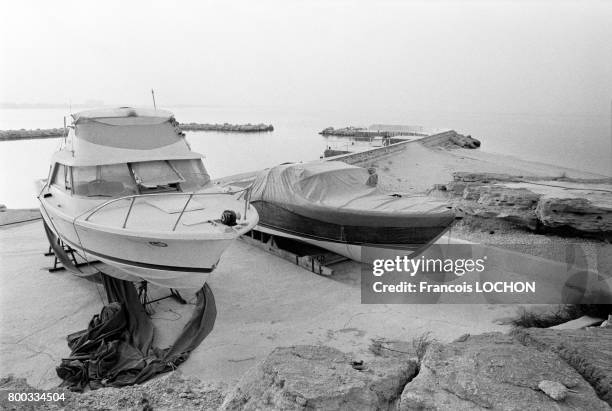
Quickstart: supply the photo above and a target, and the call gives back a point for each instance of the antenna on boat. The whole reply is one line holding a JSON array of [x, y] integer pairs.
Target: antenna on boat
[[153, 95]]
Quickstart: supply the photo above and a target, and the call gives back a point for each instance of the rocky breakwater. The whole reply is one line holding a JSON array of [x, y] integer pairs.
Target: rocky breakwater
[[226, 127], [581, 207], [23, 134], [351, 131]]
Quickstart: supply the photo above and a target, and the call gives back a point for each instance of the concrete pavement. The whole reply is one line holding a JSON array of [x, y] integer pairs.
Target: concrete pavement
[[262, 302]]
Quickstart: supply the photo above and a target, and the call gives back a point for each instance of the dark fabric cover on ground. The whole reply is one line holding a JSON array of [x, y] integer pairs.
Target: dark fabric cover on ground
[[117, 347]]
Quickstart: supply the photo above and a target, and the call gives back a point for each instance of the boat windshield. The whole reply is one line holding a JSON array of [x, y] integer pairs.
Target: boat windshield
[[117, 180], [156, 176], [173, 175], [111, 180], [193, 172]]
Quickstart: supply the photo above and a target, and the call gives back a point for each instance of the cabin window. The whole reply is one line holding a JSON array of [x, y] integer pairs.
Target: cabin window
[[111, 180], [193, 172], [61, 177], [156, 176]]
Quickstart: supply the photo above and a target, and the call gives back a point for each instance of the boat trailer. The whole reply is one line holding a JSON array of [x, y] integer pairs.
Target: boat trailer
[[310, 257]]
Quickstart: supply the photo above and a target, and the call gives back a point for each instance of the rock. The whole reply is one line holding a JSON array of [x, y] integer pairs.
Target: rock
[[553, 389], [456, 187], [320, 377], [501, 196], [225, 127], [516, 205], [586, 210], [450, 139], [376, 130], [2, 208], [493, 371], [484, 177], [38, 133], [464, 141], [582, 322], [607, 323], [578, 213], [462, 338], [588, 350], [439, 187], [349, 131]]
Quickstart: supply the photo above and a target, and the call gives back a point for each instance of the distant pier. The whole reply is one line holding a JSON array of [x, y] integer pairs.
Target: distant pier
[[376, 130], [23, 134]]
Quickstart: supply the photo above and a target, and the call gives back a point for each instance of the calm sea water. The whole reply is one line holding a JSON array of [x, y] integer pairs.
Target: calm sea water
[[579, 141]]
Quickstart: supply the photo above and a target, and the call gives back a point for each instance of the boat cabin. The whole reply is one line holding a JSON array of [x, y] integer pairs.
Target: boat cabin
[[117, 180], [126, 151]]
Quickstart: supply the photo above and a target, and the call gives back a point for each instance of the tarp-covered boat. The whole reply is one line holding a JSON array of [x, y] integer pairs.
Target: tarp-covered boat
[[330, 204]]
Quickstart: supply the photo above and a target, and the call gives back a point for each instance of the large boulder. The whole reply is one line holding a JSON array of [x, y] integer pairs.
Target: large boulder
[[578, 213], [450, 139], [321, 377], [588, 350], [516, 205], [574, 206], [494, 371]]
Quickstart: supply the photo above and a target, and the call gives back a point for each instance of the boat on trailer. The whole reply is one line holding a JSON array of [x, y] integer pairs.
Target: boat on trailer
[[126, 189], [338, 207]]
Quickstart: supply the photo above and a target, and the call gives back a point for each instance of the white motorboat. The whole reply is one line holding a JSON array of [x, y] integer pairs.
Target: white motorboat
[[126, 189]]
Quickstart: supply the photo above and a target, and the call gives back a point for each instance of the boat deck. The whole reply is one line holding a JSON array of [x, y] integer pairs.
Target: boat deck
[[170, 214]]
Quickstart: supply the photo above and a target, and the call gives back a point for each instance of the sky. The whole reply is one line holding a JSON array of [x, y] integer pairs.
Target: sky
[[494, 56]]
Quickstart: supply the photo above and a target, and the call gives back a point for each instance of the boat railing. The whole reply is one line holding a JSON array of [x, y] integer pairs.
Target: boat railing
[[245, 194]]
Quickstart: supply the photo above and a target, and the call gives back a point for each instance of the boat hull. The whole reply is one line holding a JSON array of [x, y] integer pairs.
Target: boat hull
[[399, 236], [170, 259]]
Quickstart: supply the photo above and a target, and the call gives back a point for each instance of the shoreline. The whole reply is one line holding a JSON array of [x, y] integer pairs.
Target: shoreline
[[531, 196]]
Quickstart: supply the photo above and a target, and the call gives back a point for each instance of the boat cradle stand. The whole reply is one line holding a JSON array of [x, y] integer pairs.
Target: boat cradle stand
[[57, 264], [143, 295], [310, 257], [71, 254]]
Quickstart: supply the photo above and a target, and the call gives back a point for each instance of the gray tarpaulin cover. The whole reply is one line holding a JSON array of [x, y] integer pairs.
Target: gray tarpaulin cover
[[313, 189], [117, 347]]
